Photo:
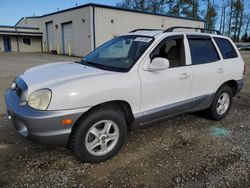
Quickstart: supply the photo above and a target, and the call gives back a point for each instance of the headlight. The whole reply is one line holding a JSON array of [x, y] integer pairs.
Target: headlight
[[40, 99]]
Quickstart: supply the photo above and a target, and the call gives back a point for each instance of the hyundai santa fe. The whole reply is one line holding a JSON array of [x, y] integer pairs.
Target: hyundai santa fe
[[128, 82]]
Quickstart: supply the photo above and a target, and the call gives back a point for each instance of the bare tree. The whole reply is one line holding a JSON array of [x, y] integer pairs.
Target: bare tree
[[230, 17], [237, 18], [156, 6], [125, 4], [241, 19]]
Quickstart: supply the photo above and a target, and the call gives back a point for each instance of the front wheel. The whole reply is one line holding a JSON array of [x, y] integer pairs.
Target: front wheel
[[221, 103], [99, 136]]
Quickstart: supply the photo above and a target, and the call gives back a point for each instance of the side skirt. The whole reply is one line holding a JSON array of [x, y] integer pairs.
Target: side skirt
[[186, 106]]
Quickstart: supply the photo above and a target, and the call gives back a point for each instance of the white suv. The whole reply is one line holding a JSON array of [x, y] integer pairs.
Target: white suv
[[131, 80]]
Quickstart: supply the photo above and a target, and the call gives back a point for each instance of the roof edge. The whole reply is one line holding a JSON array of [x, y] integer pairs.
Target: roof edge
[[114, 8], [17, 27]]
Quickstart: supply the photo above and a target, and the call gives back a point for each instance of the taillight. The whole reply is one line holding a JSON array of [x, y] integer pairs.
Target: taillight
[[245, 68]]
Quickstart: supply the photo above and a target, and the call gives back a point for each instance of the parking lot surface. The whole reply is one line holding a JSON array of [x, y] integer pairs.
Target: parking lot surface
[[184, 151]]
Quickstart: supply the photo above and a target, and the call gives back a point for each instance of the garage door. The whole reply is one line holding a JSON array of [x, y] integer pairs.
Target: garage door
[[50, 36], [67, 38]]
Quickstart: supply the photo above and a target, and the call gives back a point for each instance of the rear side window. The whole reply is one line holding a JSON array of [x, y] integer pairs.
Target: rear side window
[[202, 51], [226, 48]]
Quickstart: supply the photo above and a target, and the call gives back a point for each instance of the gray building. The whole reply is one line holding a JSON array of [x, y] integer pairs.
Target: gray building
[[79, 30]]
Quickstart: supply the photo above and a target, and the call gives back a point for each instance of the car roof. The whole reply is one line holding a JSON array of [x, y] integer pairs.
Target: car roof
[[180, 31]]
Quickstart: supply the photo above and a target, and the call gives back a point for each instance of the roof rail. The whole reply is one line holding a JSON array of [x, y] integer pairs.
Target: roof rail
[[203, 30], [145, 30]]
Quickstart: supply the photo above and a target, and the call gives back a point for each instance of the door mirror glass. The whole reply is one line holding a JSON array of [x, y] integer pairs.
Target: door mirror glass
[[158, 63]]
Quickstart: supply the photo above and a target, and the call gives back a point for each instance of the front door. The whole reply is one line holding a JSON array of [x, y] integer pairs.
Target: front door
[[166, 92], [7, 44]]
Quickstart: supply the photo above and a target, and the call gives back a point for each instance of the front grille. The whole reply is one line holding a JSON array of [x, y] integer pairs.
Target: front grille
[[18, 90]]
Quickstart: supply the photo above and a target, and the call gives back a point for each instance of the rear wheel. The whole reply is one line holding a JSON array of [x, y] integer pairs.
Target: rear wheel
[[221, 103], [99, 136]]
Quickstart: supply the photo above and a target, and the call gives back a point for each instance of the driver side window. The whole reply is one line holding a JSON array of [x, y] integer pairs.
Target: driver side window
[[171, 48]]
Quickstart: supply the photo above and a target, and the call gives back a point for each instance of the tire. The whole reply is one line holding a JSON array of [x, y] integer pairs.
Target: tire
[[217, 110], [95, 131]]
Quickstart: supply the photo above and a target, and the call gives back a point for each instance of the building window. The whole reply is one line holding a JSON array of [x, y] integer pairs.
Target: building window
[[27, 41]]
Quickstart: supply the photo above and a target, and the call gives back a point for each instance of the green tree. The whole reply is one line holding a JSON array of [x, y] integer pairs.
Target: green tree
[[157, 6], [186, 8], [210, 16]]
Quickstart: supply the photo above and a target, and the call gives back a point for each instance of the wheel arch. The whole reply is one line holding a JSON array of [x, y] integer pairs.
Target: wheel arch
[[232, 84], [123, 106]]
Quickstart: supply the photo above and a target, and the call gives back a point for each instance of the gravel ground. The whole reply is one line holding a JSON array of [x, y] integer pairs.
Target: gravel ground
[[184, 151]]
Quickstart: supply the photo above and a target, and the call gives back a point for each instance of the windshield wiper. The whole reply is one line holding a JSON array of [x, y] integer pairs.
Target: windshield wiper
[[95, 65]]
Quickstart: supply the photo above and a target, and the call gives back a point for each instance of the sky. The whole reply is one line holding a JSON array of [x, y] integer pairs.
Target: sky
[[12, 10]]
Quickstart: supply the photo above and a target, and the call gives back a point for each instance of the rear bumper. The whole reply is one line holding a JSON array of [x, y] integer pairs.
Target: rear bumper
[[240, 84], [41, 126]]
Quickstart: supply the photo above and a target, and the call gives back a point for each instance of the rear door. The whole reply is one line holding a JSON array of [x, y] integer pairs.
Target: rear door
[[232, 66], [206, 68]]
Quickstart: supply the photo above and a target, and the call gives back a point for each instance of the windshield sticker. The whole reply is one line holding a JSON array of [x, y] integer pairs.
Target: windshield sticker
[[143, 39]]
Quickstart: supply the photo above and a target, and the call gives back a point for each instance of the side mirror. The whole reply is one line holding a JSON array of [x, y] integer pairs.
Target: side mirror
[[158, 63]]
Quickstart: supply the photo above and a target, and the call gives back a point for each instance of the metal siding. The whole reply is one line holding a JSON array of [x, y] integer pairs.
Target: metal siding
[[29, 22], [50, 36], [81, 31], [125, 21], [34, 47], [67, 37]]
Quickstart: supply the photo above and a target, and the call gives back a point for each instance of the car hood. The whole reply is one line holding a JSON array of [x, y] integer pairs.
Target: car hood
[[44, 76]]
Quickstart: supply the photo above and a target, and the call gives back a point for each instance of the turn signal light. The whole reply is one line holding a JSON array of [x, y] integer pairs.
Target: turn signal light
[[67, 121]]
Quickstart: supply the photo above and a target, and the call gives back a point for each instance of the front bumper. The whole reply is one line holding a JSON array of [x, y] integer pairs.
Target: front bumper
[[41, 126]]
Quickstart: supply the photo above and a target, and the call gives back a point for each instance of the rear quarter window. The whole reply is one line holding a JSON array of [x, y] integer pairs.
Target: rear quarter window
[[226, 48]]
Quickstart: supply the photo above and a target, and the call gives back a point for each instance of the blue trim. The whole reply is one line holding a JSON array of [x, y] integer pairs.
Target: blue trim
[[114, 8]]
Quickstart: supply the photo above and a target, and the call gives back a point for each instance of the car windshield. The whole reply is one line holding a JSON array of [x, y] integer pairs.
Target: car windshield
[[118, 54]]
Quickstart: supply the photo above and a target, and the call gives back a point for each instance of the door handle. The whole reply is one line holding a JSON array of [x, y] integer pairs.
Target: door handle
[[184, 76], [220, 70]]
